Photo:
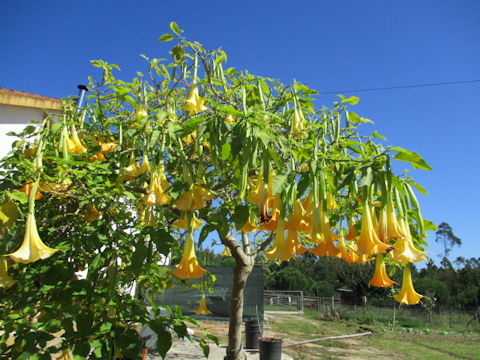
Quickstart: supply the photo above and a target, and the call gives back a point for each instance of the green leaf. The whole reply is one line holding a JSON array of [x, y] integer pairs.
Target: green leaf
[[138, 256], [154, 138], [81, 349], [207, 229], [240, 216], [166, 37], [377, 135], [351, 100], [205, 347], [162, 239], [279, 183], [164, 341], [412, 157], [303, 184], [418, 187], [429, 225], [175, 28], [226, 150], [19, 196], [367, 177]]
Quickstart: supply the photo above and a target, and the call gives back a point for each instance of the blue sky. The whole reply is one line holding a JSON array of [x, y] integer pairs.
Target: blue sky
[[328, 45]]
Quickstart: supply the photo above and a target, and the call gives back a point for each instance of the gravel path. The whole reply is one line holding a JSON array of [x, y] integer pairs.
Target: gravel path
[[186, 350]]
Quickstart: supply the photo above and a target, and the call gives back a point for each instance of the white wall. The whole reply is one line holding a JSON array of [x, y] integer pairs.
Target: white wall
[[15, 118]]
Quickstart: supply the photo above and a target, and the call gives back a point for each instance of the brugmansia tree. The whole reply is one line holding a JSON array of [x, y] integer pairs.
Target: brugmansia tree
[[153, 165]]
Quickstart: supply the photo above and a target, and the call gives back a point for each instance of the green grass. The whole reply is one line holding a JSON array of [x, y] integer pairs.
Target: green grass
[[385, 342]]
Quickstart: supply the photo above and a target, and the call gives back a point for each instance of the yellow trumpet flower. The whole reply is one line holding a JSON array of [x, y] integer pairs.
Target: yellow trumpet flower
[[146, 216], [189, 267], [368, 241], [380, 277], [323, 235], [279, 249], [66, 355], [202, 308], [394, 230], [226, 252], [271, 222], [293, 245], [346, 253], [298, 122], [183, 223], [296, 221], [5, 280], [263, 196], [74, 145], [407, 294], [250, 225], [331, 203], [405, 251], [135, 169], [107, 147], [27, 189], [158, 185], [194, 104], [32, 248], [352, 232]]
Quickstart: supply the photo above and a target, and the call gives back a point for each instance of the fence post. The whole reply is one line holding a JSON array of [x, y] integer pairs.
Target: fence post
[[333, 303], [394, 313]]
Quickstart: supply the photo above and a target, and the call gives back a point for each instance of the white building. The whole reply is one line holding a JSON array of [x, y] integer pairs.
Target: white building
[[17, 109]]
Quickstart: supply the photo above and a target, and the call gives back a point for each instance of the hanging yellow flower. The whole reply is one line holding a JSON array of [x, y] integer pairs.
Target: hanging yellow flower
[[107, 147], [156, 190], [226, 252], [263, 196], [66, 355], [32, 248], [368, 241], [296, 221], [5, 280], [380, 277], [352, 232], [407, 294], [346, 252], [250, 225], [27, 189], [183, 223], [331, 203], [322, 235], [405, 251], [298, 121], [146, 215], [202, 308], [394, 230], [194, 104], [73, 143], [293, 245], [195, 198], [135, 169], [189, 267], [279, 250]]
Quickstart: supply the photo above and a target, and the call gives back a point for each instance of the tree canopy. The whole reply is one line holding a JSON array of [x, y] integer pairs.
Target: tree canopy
[[151, 165]]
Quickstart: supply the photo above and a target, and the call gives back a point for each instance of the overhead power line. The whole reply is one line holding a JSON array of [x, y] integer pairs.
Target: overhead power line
[[401, 87]]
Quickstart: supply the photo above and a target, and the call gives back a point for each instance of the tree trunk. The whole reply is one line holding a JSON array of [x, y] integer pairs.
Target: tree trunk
[[241, 272]]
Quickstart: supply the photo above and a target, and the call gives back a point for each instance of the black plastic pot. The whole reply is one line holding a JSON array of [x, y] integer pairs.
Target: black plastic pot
[[253, 330], [270, 348]]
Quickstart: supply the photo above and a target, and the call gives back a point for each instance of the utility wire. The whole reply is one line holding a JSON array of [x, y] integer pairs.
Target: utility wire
[[401, 87]]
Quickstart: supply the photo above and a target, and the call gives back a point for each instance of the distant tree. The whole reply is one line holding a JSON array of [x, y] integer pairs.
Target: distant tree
[[435, 288], [446, 237]]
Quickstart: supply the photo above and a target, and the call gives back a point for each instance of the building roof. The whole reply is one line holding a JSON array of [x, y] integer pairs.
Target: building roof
[[19, 98]]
